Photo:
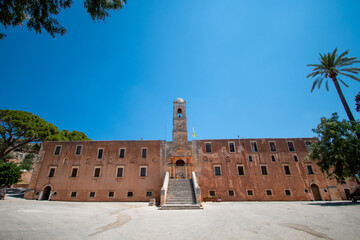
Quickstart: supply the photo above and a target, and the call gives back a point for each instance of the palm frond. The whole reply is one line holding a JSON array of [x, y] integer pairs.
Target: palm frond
[[351, 70], [314, 84], [333, 57], [327, 85], [319, 83], [347, 61], [350, 76], [341, 56], [313, 74], [343, 82], [312, 65]]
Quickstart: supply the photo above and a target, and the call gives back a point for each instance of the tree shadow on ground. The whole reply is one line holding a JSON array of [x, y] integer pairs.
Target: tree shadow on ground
[[334, 204]]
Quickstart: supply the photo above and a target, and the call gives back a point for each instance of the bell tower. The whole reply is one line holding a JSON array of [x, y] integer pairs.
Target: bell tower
[[179, 122]]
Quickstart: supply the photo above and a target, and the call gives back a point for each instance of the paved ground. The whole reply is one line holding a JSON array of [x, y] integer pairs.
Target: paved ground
[[27, 219]]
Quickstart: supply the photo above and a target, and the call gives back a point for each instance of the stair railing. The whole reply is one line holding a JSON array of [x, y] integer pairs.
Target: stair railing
[[196, 188], [164, 189]]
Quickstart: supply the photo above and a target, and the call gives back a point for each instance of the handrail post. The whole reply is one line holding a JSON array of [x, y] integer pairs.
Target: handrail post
[[164, 189], [196, 188]]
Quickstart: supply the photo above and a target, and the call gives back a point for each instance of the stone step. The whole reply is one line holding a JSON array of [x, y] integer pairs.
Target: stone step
[[180, 195], [180, 200], [180, 207]]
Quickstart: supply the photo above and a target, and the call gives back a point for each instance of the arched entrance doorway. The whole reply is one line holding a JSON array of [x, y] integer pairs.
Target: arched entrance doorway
[[316, 193], [46, 193], [180, 171]]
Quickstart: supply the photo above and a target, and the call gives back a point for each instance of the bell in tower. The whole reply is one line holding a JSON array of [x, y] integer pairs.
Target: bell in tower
[[179, 122]]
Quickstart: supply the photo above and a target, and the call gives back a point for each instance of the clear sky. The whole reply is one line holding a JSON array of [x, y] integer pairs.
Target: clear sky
[[240, 66]]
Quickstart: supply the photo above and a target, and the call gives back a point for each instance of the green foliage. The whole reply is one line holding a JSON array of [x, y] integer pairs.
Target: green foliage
[[35, 147], [10, 174], [27, 163], [337, 149], [331, 66], [18, 128], [9, 156], [357, 102], [66, 135], [40, 14]]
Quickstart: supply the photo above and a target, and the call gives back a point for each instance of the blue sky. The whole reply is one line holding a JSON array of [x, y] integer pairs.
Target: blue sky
[[240, 66]]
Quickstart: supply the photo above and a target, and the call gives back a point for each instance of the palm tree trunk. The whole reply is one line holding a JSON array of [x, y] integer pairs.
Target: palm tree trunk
[[341, 95], [346, 106]]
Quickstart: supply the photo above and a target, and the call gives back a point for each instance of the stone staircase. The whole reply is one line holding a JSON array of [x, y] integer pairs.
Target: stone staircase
[[180, 195]]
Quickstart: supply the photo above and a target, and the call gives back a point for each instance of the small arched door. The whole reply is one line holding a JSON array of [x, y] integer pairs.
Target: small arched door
[[180, 171], [46, 193], [316, 193]]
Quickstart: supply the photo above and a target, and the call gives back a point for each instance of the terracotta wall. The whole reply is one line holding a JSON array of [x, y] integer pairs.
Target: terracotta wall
[[298, 181], [63, 184]]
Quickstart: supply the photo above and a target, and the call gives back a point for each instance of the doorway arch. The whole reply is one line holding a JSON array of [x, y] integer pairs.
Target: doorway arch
[[316, 192], [180, 163], [180, 169], [46, 193]]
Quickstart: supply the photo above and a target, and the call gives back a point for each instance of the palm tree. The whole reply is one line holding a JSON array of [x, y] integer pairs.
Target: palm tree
[[331, 66]]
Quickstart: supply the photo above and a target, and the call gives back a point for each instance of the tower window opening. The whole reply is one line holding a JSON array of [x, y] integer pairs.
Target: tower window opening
[[179, 113]]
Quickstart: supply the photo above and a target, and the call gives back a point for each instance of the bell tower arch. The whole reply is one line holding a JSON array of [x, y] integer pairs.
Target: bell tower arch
[[179, 122]]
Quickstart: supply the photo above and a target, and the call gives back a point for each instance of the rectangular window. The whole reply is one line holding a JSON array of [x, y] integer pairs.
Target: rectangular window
[[120, 172], [212, 193], [142, 171], [52, 172], [208, 147], [78, 150], [287, 170], [149, 194], [231, 193], [273, 158], [250, 192], [269, 192], [57, 150], [240, 170], [111, 194], [100, 153], [308, 146], [296, 158], [130, 194], [74, 171], [254, 147], [143, 152], [310, 170], [92, 194], [272, 146], [122, 153], [231, 147], [287, 192], [291, 146], [97, 172], [263, 170], [250, 158], [73, 194], [217, 171]]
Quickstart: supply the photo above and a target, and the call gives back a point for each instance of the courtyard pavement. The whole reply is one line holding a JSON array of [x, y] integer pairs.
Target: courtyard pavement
[[29, 219]]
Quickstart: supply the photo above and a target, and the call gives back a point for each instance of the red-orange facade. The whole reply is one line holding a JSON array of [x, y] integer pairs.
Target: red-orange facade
[[232, 169]]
